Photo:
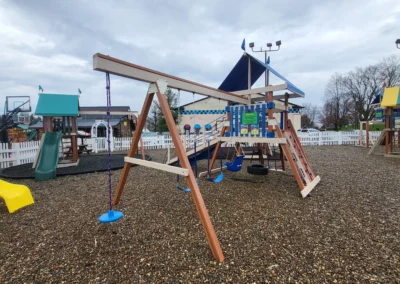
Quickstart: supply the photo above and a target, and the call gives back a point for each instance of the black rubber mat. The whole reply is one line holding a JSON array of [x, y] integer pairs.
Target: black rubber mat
[[87, 164]]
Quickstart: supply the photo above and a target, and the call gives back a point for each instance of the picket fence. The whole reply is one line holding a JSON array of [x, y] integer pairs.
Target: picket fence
[[25, 152]]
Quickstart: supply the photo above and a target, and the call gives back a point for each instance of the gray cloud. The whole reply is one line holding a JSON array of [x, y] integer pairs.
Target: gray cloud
[[51, 43]]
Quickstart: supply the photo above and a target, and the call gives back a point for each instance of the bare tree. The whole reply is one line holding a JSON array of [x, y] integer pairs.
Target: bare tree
[[389, 71], [362, 85], [309, 114], [336, 103]]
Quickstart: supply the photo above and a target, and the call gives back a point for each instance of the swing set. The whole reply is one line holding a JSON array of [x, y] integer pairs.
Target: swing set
[[273, 134]]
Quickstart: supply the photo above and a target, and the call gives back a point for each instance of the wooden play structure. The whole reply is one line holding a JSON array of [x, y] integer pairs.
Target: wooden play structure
[[246, 122], [390, 136]]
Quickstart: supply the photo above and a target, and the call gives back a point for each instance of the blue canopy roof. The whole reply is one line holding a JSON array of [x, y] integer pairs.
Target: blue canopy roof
[[237, 79]]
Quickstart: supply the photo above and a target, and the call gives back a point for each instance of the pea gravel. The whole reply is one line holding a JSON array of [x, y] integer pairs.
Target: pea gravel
[[347, 231]]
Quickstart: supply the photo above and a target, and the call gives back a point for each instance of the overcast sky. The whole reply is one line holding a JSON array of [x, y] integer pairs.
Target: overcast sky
[[51, 43]]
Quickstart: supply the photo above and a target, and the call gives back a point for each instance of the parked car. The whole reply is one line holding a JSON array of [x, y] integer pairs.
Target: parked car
[[308, 130]]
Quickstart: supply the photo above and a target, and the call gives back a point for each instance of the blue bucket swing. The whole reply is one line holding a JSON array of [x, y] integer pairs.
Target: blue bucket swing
[[236, 164], [111, 215], [220, 177]]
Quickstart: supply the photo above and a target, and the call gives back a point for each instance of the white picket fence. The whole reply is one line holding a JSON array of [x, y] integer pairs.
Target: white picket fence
[[337, 138], [20, 153], [23, 153]]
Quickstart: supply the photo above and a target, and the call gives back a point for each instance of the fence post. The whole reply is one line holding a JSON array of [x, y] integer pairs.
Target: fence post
[[340, 140], [17, 155], [320, 142]]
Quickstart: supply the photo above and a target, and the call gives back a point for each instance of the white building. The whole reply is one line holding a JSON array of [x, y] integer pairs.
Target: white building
[[212, 111]]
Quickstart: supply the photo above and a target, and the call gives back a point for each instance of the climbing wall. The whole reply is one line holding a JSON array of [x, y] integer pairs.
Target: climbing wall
[[298, 160]]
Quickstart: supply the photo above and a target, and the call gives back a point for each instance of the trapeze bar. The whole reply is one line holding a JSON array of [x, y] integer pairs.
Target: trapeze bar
[[158, 166]]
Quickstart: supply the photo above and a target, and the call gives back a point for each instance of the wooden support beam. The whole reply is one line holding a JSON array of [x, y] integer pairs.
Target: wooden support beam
[[286, 113], [387, 125], [234, 139], [98, 112], [125, 69], [74, 140], [198, 149], [51, 124], [158, 166], [216, 150], [134, 146], [190, 179], [282, 158], [202, 174], [261, 90]]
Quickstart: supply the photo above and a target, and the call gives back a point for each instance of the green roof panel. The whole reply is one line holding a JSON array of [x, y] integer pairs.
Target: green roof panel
[[57, 105]]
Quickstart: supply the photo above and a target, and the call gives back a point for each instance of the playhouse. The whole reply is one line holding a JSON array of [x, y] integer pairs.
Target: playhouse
[[213, 111], [388, 111]]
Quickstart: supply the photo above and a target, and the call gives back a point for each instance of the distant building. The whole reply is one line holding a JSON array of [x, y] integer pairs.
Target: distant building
[[122, 120]]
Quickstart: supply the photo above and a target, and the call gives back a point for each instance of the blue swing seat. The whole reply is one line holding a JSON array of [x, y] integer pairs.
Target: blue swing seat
[[218, 179], [236, 165]]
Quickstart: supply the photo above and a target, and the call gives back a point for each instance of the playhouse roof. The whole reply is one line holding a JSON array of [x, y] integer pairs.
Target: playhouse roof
[[391, 97], [57, 105], [238, 78]]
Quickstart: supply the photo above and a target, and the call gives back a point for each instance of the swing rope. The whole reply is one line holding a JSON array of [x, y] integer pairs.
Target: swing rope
[[108, 87], [111, 215]]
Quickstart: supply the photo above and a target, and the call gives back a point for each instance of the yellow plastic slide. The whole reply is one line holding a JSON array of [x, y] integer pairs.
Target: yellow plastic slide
[[16, 196]]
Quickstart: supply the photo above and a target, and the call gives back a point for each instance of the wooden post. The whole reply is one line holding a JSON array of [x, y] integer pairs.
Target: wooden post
[[367, 134], [44, 124], [74, 141], [286, 116], [191, 180], [134, 147], [216, 150], [391, 140], [398, 139], [51, 124], [387, 125], [282, 157], [260, 153]]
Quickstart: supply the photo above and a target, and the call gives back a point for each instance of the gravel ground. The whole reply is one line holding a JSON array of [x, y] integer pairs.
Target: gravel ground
[[347, 231]]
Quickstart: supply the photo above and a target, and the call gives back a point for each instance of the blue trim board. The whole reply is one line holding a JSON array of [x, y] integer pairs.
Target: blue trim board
[[202, 111]]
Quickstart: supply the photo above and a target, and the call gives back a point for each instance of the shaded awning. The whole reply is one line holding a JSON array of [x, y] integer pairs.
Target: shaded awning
[[57, 105], [391, 97], [237, 79]]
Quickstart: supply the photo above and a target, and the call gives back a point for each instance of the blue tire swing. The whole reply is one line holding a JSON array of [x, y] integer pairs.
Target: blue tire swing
[[111, 215], [220, 177]]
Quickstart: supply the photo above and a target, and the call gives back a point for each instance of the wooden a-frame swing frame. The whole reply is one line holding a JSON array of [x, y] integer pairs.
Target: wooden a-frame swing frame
[[159, 88], [158, 84]]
